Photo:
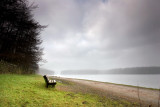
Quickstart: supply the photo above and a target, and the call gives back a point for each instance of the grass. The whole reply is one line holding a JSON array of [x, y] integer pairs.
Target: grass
[[30, 91]]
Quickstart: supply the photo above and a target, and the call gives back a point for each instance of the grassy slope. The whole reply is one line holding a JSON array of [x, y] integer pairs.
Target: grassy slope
[[29, 90]]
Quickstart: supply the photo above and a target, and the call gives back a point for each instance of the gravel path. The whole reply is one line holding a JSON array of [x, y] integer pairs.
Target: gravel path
[[146, 96]]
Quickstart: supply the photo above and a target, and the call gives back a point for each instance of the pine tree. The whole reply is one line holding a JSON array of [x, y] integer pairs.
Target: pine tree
[[19, 34]]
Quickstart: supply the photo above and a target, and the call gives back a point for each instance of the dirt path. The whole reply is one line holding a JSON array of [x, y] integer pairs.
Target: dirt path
[[147, 96]]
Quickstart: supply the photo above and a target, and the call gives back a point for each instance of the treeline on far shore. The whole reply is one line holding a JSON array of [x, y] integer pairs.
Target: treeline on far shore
[[132, 70]]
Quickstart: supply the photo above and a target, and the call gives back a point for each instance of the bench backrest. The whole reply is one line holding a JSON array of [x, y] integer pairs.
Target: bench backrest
[[46, 79]]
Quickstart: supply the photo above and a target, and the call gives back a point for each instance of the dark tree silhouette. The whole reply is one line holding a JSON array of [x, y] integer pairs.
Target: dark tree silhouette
[[19, 34]]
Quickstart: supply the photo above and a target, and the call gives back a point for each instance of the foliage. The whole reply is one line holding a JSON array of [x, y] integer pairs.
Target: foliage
[[19, 34], [8, 68]]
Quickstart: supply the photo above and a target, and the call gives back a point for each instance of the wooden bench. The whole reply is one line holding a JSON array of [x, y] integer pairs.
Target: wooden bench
[[49, 82]]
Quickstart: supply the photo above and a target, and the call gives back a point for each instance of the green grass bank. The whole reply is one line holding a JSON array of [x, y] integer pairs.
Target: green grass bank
[[30, 91]]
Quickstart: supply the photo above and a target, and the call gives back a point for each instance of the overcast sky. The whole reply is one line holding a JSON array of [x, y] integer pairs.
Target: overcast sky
[[99, 34]]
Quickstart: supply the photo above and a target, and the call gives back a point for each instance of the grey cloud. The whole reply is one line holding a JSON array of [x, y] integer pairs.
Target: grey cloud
[[136, 23], [84, 34]]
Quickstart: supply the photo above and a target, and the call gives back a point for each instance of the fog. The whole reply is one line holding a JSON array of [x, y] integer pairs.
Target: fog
[[99, 34]]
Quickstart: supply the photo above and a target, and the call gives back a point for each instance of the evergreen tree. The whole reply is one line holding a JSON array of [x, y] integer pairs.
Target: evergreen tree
[[19, 34]]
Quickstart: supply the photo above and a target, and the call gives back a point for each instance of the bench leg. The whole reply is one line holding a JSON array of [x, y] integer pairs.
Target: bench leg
[[53, 86]]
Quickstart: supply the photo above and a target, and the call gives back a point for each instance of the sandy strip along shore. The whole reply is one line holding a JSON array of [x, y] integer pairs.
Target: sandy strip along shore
[[146, 96]]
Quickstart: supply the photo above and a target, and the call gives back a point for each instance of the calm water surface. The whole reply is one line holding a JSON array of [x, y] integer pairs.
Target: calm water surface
[[144, 80]]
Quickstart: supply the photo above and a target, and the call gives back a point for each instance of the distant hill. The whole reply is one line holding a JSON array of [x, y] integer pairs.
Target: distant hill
[[66, 72], [134, 70], [43, 71]]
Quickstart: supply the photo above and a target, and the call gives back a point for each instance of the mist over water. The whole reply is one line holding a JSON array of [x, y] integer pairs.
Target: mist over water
[[137, 76], [148, 77], [142, 80]]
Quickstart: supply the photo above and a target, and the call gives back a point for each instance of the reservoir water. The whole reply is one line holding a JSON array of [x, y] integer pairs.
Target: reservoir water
[[143, 80]]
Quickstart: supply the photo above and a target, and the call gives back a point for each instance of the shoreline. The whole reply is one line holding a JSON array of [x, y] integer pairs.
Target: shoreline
[[111, 83], [147, 96]]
